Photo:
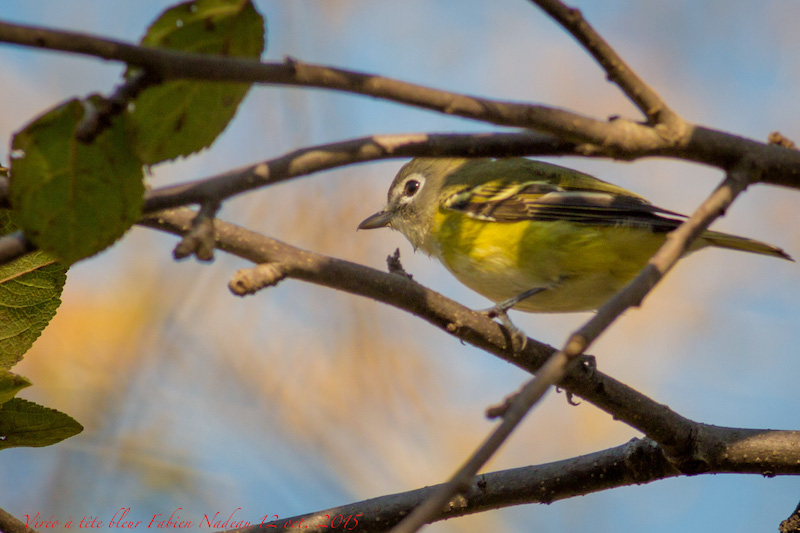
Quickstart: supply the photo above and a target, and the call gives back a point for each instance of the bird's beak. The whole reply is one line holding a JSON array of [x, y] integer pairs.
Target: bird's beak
[[381, 219]]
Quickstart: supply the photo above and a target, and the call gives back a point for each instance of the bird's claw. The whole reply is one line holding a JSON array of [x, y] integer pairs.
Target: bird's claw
[[518, 338], [500, 312]]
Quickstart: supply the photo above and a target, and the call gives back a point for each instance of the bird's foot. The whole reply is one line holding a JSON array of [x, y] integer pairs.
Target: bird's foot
[[500, 312]]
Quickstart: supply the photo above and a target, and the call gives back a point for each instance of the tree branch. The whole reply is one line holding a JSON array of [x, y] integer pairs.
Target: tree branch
[[637, 462], [551, 373], [658, 114], [678, 243], [105, 108], [791, 524], [168, 64], [619, 138], [11, 524], [375, 147]]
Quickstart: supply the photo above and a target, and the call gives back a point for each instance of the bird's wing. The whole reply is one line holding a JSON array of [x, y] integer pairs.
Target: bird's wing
[[505, 201]]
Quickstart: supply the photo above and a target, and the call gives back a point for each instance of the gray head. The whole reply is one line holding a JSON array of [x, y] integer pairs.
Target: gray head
[[413, 200]]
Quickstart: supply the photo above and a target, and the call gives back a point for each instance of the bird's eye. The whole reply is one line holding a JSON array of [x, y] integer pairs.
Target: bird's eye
[[411, 187]]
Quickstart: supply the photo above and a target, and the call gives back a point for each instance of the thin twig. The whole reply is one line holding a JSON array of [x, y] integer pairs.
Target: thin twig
[[248, 281], [658, 113], [99, 117], [677, 244], [200, 239], [552, 372]]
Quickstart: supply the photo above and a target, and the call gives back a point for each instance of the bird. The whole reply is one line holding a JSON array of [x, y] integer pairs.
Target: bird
[[531, 235]]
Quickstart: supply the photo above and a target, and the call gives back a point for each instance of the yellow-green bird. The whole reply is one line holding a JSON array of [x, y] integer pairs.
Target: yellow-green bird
[[528, 234]]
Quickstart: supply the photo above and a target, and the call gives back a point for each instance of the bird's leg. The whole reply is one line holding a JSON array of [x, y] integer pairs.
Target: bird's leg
[[500, 311]]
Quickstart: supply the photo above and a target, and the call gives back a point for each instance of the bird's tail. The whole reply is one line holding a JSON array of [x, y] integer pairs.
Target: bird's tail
[[732, 242]]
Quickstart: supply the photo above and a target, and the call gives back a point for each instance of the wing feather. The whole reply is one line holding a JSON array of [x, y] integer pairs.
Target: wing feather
[[503, 201]]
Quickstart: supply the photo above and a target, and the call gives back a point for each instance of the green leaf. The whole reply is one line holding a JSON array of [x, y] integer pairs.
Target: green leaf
[[30, 292], [74, 199], [24, 423], [11, 384], [181, 117]]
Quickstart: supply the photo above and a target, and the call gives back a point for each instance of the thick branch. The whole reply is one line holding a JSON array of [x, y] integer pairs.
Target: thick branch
[[322, 157], [10, 524], [168, 64], [637, 462], [620, 138], [791, 524]]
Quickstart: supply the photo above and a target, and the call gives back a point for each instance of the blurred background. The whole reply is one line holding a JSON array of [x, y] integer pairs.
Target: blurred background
[[302, 398]]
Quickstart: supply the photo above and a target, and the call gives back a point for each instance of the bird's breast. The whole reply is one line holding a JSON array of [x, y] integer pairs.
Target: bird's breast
[[581, 266]]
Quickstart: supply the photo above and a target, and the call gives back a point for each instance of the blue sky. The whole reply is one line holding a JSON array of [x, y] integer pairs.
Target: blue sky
[[300, 398]]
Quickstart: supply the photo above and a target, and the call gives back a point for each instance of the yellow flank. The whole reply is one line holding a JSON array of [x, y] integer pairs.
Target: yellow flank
[[580, 265]]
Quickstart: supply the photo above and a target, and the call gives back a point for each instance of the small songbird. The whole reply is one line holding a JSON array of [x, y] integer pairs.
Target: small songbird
[[531, 235]]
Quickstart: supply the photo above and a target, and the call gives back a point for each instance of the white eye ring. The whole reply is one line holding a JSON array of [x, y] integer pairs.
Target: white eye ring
[[411, 186]]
